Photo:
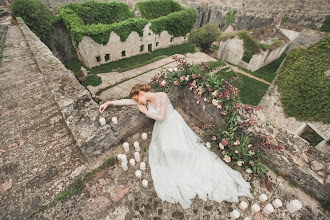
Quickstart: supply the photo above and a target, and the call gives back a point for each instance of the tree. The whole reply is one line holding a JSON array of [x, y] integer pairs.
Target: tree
[[203, 37], [35, 15]]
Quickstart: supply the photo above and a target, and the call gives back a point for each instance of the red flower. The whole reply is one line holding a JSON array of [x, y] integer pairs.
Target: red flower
[[224, 142]]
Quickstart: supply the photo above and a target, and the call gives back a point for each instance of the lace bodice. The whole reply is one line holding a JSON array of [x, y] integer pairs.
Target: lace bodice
[[163, 103]]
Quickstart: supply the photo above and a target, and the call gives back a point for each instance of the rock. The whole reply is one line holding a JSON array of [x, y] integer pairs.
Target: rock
[[315, 165], [327, 179], [119, 192], [327, 166]]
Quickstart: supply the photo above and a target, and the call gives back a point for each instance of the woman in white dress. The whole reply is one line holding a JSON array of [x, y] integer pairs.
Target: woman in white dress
[[181, 166]]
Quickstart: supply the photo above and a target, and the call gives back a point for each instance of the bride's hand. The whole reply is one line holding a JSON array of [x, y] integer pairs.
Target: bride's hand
[[103, 107], [143, 108]]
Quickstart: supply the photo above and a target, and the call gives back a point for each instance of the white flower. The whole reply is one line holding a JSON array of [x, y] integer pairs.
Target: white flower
[[248, 170], [227, 158], [215, 102], [251, 162], [236, 143], [236, 151], [197, 102], [205, 99], [251, 152], [221, 146], [163, 83], [215, 93], [208, 145], [223, 152], [239, 163]]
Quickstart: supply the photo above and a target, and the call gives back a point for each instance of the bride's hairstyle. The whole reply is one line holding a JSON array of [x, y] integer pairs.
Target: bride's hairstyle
[[139, 87]]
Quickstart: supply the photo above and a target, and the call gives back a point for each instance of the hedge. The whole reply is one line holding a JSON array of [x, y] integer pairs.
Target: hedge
[[92, 19], [303, 84], [157, 8]]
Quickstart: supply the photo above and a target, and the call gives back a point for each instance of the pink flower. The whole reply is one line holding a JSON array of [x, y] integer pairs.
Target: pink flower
[[219, 106], [239, 163], [209, 90], [223, 113], [204, 99], [176, 82], [223, 152], [197, 102], [215, 93], [181, 78], [227, 158], [215, 102], [248, 170], [236, 151], [250, 145], [199, 93], [224, 142], [214, 138], [236, 143], [187, 78]]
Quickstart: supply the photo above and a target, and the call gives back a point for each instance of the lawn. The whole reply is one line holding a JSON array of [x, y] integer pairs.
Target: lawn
[[251, 91], [268, 72], [133, 62]]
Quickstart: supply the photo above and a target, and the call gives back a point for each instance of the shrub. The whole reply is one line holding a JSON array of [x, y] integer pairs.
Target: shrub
[[303, 84], [228, 35], [326, 24], [98, 19], [230, 18], [204, 36], [36, 16], [250, 45], [157, 8]]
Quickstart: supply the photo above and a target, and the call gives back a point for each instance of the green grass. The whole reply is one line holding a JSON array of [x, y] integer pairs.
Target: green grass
[[230, 17], [92, 80], [311, 136], [264, 46], [268, 72], [251, 91], [143, 59], [75, 66]]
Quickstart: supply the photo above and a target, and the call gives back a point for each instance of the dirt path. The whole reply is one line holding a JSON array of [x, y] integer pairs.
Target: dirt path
[[237, 70]]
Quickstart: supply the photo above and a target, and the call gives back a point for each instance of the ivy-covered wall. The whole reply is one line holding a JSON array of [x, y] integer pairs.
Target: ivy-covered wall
[[98, 19]]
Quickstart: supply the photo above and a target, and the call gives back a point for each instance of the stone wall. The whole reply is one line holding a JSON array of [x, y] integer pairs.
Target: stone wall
[[93, 54], [232, 51], [79, 110]]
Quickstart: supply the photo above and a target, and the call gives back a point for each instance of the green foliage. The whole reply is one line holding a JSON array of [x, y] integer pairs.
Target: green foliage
[[230, 18], [35, 15], [264, 46], [250, 46], [153, 9], [92, 80], [99, 19], [286, 18], [303, 84], [203, 37], [268, 72], [75, 66], [228, 35], [311, 136], [252, 90], [143, 59], [177, 23], [293, 183], [93, 12], [326, 25]]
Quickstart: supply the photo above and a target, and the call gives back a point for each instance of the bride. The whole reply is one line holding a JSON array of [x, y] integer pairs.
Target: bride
[[181, 166]]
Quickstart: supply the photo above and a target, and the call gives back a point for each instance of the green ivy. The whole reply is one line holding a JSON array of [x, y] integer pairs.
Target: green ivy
[[157, 8], [250, 46], [97, 20], [177, 23], [303, 84], [326, 24], [35, 15]]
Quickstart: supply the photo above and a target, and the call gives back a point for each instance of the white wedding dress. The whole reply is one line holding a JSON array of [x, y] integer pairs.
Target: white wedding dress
[[182, 167]]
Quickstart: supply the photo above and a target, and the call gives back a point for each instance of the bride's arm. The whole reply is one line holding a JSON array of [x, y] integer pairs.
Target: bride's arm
[[162, 111], [117, 103]]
